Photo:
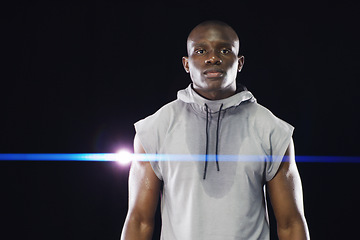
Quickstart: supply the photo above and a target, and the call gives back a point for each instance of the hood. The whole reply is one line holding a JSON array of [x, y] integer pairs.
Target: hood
[[188, 95], [205, 106]]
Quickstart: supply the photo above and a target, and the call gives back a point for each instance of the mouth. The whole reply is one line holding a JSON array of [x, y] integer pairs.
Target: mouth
[[213, 73]]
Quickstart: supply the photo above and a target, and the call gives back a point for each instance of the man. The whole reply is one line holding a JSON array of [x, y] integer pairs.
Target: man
[[216, 197]]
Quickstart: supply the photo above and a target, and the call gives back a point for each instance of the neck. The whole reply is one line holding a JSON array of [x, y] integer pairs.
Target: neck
[[215, 94]]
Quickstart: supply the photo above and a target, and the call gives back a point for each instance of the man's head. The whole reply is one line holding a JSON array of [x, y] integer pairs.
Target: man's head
[[213, 60]]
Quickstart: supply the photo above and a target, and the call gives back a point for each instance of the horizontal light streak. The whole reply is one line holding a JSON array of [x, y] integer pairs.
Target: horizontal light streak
[[160, 157]]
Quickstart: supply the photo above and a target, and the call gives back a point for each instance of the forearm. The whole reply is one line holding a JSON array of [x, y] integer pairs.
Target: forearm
[[135, 229], [295, 231]]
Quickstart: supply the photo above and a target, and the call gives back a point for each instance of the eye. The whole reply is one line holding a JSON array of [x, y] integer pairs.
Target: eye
[[225, 51], [200, 51]]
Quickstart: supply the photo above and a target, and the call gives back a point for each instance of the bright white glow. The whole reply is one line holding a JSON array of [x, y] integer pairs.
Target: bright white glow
[[123, 157]]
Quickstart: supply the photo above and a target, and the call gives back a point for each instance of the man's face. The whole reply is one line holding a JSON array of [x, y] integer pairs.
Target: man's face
[[213, 61]]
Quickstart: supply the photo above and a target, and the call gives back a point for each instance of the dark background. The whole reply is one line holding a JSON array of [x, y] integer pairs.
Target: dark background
[[76, 75]]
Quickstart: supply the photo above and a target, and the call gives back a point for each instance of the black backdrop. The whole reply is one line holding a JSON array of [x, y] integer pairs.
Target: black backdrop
[[77, 74]]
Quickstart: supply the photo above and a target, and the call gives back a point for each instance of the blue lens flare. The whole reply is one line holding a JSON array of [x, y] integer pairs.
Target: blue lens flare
[[160, 157]]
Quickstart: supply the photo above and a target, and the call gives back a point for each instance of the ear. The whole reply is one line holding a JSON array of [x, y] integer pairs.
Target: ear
[[241, 60], [185, 62]]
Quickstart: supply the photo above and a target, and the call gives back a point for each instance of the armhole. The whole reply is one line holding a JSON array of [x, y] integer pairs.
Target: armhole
[[155, 167], [277, 158]]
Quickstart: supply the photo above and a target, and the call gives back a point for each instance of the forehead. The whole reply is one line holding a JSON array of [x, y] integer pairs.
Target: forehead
[[213, 34]]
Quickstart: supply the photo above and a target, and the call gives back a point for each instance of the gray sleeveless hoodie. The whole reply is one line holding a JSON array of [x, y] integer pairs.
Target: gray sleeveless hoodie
[[218, 197]]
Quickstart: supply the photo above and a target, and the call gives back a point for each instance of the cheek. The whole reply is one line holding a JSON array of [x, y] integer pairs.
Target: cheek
[[233, 63], [194, 67], [232, 68]]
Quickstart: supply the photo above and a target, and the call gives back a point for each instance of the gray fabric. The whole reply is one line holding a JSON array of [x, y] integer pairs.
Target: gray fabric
[[230, 203]]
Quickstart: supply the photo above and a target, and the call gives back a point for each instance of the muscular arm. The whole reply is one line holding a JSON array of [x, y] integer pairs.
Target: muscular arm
[[285, 192], [144, 188]]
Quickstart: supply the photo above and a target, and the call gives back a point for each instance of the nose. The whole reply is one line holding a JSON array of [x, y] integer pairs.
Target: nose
[[213, 59]]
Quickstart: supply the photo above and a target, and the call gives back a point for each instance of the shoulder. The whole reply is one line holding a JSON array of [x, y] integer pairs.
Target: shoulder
[[163, 113], [153, 129], [161, 118], [263, 120], [259, 110], [171, 107], [256, 112]]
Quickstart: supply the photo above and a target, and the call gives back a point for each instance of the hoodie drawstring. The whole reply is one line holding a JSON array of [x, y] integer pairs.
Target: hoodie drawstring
[[217, 138], [207, 139]]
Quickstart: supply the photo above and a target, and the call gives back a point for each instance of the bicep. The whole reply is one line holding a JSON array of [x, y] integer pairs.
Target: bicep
[[144, 187], [285, 191]]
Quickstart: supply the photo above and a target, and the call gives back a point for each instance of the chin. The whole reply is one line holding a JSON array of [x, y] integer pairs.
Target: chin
[[218, 85]]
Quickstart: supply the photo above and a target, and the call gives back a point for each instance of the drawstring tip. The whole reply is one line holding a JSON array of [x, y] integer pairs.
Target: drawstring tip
[[205, 168]]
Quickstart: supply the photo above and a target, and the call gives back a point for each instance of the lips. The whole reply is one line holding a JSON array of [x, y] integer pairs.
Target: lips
[[213, 73]]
